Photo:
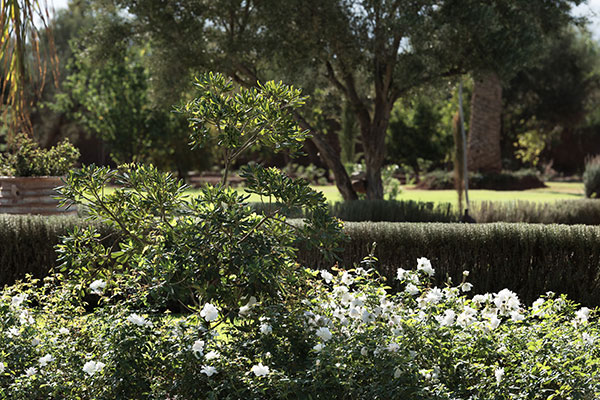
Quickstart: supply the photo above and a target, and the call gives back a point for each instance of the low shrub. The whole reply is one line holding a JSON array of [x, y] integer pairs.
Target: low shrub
[[27, 243], [569, 212], [530, 259], [505, 180], [591, 177], [341, 335], [395, 211]]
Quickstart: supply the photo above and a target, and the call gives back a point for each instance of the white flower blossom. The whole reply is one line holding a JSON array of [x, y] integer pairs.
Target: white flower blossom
[[63, 331], [397, 372], [447, 319], [209, 312], [35, 341], [347, 278], [411, 289], [587, 338], [367, 317], [31, 371], [139, 320], [324, 333], [198, 346], [434, 296], [516, 316], [43, 361], [401, 274], [582, 315], [93, 367], [211, 355], [364, 352], [494, 322], [260, 370], [499, 373], [327, 276], [393, 347], [13, 332], [244, 310], [2, 367], [208, 370], [97, 287], [318, 347], [466, 287], [18, 299], [265, 329], [423, 264]]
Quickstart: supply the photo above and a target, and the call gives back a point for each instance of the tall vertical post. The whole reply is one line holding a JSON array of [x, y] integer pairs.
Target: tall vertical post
[[464, 140]]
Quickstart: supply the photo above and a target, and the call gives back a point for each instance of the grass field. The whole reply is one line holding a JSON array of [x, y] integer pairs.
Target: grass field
[[554, 191]]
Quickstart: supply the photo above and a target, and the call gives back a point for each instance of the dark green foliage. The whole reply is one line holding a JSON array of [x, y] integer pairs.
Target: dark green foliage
[[391, 210], [28, 159], [569, 212], [591, 177], [27, 243], [505, 180], [529, 259]]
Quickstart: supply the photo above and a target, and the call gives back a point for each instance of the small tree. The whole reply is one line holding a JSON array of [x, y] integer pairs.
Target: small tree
[[213, 248]]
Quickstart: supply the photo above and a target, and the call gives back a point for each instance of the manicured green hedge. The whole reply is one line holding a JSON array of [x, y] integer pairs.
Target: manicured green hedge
[[570, 212], [529, 259], [27, 244]]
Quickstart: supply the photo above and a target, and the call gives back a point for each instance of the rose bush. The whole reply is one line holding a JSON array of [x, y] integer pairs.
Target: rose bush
[[347, 337]]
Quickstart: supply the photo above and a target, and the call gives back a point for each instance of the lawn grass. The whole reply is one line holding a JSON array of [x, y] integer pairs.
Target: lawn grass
[[554, 191]]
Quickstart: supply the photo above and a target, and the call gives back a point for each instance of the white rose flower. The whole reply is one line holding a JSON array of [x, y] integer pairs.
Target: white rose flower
[[13, 332], [494, 322], [499, 373], [45, 360], [516, 316], [138, 320], [18, 299], [198, 346], [260, 370], [401, 274], [97, 287], [587, 338], [347, 278], [318, 347], [265, 329], [208, 370], [448, 318], [466, 287], [211, 355], [63, 331], [393, 347], [327, 276], [93, 367], [582, 315], [411, 289], [35, 341], [397, 372], [31, 371], [423, 264], [245, 310], [364, 352], [324, 333], [210, 312], [2, 367]]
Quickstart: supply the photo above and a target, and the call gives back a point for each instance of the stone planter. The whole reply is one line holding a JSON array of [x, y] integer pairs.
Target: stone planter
[[31, 195]]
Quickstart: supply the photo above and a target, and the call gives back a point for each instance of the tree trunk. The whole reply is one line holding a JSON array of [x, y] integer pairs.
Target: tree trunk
[[332, 159], [484, 129], [374, 157]]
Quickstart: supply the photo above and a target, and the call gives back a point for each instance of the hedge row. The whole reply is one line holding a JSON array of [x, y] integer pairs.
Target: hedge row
[[27, 244], [530, 259], [569, 212]]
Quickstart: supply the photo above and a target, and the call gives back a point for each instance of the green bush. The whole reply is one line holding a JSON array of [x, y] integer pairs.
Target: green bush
[[393, 211], [505, 180], [27, 243], [27, 159], [530, 259], [345, 337], [591, 177], [569, 212]]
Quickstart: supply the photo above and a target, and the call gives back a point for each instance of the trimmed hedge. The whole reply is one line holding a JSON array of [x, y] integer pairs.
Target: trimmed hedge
[[27, 244], [528, 259], [505, 180], [570, 212]]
